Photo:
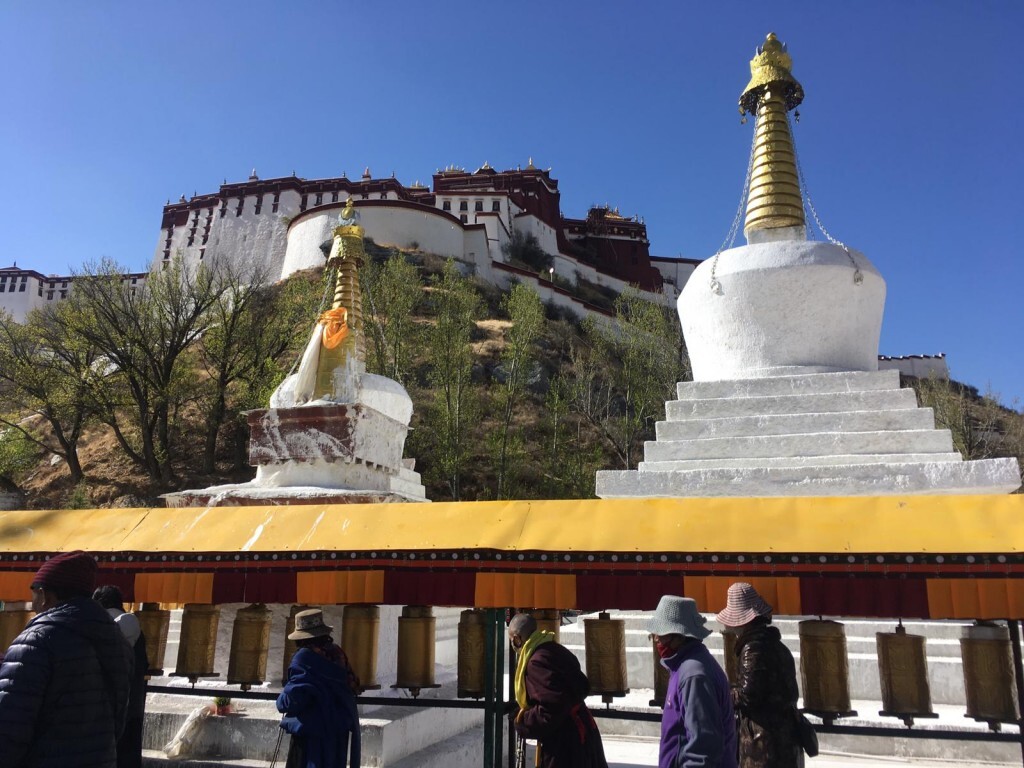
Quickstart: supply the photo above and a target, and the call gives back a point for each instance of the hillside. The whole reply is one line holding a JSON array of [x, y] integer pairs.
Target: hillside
[[571, 419]]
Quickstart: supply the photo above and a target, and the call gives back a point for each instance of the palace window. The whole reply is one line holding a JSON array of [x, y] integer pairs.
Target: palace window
[[383, 195], [11, 289], [3, 279], [319, 198], [446, 205], [241, 205], [21, 288], [496, 205], [463, 218], [49, 295], [277, 199], [463, 205], [259, 204], [63, 294], [334, 196], [479, 206]]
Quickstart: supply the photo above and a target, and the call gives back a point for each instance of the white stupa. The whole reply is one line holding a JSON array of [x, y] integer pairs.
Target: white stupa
[[787, 398], [333, 434]]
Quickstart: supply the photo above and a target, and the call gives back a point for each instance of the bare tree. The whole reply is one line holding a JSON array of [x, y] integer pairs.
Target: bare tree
[[146, 334], [48, 374], [626, 371]]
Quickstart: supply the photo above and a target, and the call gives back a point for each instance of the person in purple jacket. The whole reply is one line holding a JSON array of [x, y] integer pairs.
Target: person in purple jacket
[[698, 728]]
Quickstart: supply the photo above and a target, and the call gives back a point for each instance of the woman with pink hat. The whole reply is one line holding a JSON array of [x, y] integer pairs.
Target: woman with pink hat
[[765, 693]]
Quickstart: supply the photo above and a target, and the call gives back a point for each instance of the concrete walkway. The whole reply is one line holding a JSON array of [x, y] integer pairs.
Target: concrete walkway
[[643, 753]]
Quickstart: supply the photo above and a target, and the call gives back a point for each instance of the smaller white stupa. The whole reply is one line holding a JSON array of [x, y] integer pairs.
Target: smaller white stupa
[[782, 333], [333, 434]]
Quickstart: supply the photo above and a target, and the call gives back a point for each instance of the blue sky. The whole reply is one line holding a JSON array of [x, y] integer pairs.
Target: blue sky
[[910, 134]]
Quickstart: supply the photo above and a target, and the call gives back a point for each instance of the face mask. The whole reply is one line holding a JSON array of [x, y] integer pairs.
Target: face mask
[[664, 651]]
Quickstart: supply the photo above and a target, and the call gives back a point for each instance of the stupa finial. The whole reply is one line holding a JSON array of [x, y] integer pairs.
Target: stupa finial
[[774, 200]]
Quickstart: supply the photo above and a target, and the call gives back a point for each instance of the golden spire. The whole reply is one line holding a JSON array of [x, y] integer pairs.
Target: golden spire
[[343, 322], [774, 199]]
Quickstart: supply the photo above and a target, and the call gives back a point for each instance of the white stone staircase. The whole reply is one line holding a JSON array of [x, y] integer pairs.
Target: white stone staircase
[[823, 434]]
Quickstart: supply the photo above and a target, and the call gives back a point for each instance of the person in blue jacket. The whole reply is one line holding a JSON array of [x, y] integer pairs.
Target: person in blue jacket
[[319, 700], [698, 728]]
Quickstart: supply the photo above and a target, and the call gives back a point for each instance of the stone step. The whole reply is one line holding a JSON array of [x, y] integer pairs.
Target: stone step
[[726, 407], [805, 384], [784, 446], [796, 461], [797, 423], [986, 476], [390, 734]]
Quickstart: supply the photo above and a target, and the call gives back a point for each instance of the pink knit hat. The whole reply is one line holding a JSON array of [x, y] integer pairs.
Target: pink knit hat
[[72, 572], [742, 606]]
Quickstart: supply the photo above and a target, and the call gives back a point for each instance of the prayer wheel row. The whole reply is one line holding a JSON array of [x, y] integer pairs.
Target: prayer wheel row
[[903, 672], [250, 643]]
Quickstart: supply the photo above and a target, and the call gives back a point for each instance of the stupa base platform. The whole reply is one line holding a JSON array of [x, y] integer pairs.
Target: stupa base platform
[[248, 495], [853, 433], [989, 476]]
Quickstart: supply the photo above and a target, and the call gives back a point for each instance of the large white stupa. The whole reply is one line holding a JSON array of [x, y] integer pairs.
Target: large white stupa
[[783, 332]]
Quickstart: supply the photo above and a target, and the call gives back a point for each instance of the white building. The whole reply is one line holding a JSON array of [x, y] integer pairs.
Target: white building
[[22, 290], [466, 216]]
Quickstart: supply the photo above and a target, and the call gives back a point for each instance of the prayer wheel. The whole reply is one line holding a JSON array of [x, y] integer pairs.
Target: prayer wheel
[[903, 674], [660, 678], [988, 674], [824, 669], [472, 654], [197, 646], [11, 624], [549, 621], [416, 630], [290, 646], [250, 645], [360, 629], [604, 640], [154, 624]]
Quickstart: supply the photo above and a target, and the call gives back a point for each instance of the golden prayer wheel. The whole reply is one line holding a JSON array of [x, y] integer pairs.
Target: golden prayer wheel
[[154, 624], [729, 655], [604, 639], [661, 675], [472, 654], [903, 675], [11, 624], [250, 644], [290, 647], [197, 646], [824, 669], [988, 674], [416, 629], [360, 628], [549, 621]]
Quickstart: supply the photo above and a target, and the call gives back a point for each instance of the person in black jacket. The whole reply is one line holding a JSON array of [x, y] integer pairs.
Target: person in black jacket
[[64, 680], [129, 746], [765, 693]]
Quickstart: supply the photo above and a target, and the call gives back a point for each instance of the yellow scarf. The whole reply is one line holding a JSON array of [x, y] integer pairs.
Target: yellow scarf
[[536, 640]]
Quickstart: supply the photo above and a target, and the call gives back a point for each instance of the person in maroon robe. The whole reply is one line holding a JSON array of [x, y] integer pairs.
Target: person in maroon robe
[[550, 690]]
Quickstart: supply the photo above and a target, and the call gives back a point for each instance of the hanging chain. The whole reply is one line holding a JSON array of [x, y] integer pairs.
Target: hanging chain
[[858, 277], [716, 286]]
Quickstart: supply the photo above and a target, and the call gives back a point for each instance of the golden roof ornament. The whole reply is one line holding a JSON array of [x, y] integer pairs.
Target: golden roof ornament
[[774, 200]]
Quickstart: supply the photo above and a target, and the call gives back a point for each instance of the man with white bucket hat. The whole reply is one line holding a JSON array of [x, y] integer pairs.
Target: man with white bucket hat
[[697, 726]]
